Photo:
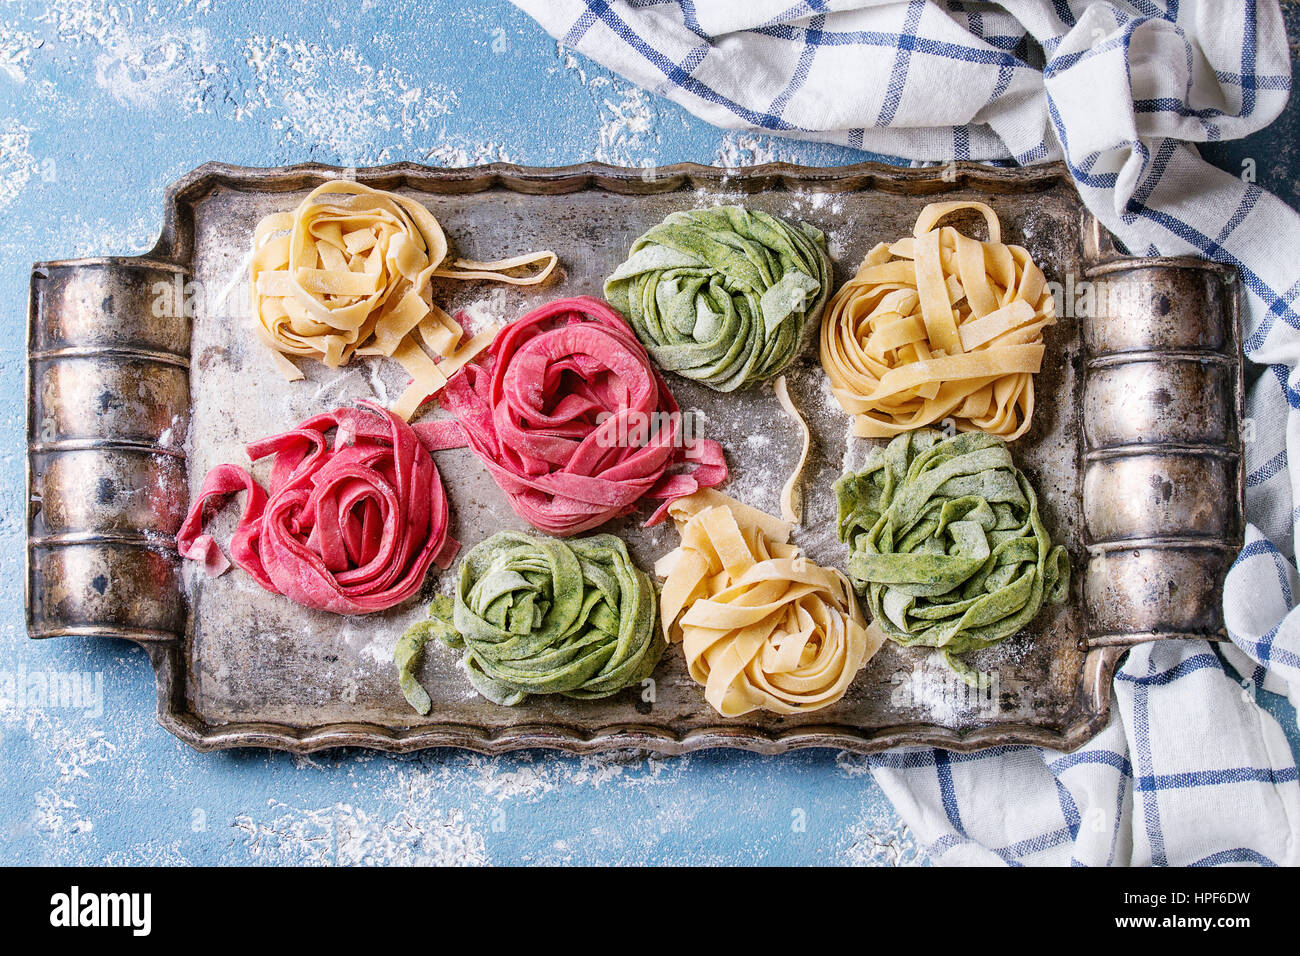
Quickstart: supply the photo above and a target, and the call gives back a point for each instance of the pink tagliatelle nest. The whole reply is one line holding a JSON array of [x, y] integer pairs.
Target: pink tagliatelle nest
[[349, 527], [574, 422]]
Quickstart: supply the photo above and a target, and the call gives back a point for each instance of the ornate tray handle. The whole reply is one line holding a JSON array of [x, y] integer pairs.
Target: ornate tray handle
[[1162, 397], [108, 411]]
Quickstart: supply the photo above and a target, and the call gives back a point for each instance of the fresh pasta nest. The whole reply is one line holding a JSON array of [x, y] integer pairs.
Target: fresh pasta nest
[[939, 325], [348, 273], [576, 426], [541, 616], [762, 627], [726, 296], [946, 542], [348, 525]]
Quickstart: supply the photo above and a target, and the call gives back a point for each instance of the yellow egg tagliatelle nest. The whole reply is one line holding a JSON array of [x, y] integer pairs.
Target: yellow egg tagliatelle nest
[[936, 326], [348, 273]]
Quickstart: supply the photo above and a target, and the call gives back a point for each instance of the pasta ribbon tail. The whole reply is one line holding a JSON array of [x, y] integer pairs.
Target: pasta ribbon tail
[[792, 493], [409, 653], [969, 675], [539, 265]]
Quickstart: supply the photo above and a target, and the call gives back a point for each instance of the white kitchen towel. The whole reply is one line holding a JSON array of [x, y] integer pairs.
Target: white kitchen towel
[[1190, 770]]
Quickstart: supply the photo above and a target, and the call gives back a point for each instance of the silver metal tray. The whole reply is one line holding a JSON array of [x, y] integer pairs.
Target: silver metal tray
[[143, 374]]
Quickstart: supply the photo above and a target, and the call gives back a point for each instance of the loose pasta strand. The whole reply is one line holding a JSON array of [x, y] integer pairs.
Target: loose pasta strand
[[792, 493]]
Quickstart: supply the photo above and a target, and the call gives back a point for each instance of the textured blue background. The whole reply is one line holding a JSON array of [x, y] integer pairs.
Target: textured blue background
[[102, 105]]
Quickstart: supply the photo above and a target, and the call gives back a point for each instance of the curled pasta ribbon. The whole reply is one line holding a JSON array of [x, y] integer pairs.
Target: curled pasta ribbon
[[946, 542], [349, 526], [726, 296], [540, 616], [348, 272], [792, 491], [573, 421], [762, 627], [939, 325]]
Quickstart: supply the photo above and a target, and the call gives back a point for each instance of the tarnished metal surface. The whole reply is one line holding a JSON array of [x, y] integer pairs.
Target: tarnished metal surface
[[1163, 484], [108, 410], [141, 367]]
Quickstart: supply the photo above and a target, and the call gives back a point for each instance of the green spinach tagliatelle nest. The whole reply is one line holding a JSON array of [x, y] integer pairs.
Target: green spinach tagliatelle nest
[[946, 543], [539, 615], [724, 296]]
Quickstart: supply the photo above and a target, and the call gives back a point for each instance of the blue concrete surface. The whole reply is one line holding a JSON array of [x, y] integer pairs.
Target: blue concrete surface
[[101, 105]]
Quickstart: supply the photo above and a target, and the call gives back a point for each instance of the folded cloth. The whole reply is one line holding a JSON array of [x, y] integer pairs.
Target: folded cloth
[[1189, 770]]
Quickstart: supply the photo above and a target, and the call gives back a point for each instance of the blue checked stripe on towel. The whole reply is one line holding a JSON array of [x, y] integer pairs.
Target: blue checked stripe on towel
[[1190, 770]]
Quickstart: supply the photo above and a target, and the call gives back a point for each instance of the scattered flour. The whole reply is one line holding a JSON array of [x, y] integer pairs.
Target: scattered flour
[[56, 815], [876, 843], [627, 767], [627, 114], [83, 21], [625, 130], [739, 149], [492, 307], [73, 749], [473, 154], [17, 164], [140, 65], [331, 97], [151, 70], [121, 236], [16, 48], [523, 779], [344, 835], [530, 776]]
